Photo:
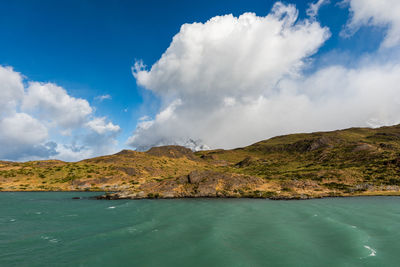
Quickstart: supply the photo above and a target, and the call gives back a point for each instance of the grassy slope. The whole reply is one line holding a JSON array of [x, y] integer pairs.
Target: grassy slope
[[354, 161]]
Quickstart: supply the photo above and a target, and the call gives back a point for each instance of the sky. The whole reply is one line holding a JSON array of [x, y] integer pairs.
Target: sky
[[80, 79]]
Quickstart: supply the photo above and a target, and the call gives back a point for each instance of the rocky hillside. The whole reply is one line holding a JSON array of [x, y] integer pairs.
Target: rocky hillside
[[356, 161]]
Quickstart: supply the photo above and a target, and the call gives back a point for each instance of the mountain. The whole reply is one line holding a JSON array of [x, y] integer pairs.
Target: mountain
[[355, 161], [195, 145]]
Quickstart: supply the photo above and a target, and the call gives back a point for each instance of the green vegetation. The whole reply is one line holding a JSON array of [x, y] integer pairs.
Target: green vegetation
[[346, 162]]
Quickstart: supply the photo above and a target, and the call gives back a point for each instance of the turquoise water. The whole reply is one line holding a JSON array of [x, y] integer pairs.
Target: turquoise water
[[52, 229]]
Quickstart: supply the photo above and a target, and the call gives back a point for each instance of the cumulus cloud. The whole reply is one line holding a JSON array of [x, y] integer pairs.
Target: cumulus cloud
[[52, 103], [100, 126], [33, 113], [382, 13], [214, 67], [233, 81], [21, 136], [12, 90], [22, 128], [229, 56]]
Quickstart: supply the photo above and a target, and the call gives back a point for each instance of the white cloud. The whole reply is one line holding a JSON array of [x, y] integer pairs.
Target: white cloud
[[229, 56], [340, 97], [161, 127], [224, 63], [33, 115], [233, 81], [23, 129], [382, 13], [144, 118], [22, 136], [103, 97], [53, 103], [313, 9], [68, 153], [100, 126], [11, 90]]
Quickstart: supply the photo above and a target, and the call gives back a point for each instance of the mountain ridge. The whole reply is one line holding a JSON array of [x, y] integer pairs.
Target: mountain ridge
[[354, 161]]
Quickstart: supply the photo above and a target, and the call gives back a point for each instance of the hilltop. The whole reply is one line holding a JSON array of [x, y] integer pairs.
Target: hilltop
[[355, 161]]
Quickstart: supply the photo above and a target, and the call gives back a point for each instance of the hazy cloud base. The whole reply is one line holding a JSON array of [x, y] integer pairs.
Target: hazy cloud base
[[233, 81]]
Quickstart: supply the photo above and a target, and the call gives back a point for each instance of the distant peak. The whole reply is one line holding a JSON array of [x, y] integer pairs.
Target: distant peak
[[194, 145], [172, 151]]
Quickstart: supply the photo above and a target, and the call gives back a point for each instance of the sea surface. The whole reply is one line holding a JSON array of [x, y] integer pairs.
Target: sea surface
[[52, 229]]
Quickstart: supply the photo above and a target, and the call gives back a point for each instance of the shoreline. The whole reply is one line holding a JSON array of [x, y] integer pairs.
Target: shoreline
[[104, 196], [273, 199]]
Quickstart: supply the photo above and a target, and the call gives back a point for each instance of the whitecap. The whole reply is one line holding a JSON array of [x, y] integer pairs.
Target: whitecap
[[12, 220], [131, 229], [112, 207], [50, 239], [373, 251], [38, 212]]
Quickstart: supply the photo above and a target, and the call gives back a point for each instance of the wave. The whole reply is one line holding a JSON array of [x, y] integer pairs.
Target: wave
[[373, 251]]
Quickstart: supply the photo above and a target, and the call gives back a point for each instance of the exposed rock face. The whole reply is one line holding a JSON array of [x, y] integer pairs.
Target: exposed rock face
[[363, 147], [383, 136], [171, 152], [306, 144], [246, 162], [128, 170], [196, 176], [357, 161], [209, 157], [322, 142], [197, 184]]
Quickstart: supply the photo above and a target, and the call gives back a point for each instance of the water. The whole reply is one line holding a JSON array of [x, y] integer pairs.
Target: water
[[52, 229]]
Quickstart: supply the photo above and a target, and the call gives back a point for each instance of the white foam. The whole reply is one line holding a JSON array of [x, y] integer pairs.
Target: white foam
[[112, 207], [373, 251], [12, 220], [50, 239], [131, 229]]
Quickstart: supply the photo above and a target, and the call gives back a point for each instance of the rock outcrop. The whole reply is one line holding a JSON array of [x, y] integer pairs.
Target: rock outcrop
[[356, 161]]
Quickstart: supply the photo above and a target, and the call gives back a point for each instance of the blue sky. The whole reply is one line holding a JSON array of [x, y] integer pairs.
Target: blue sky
[[89, 47]]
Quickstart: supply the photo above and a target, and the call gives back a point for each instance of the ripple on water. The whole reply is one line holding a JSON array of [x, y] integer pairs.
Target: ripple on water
[[338, 232], [49, 239], [371, 250], [131, 229]]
